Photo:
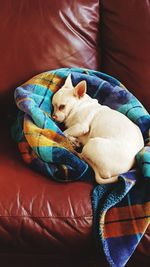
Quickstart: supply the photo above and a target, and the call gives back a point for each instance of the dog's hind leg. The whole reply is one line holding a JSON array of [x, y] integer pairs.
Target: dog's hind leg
[[100, 154], [98, 178]]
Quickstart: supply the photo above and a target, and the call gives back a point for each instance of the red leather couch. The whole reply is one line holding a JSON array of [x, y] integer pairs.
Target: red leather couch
[[44, 223]]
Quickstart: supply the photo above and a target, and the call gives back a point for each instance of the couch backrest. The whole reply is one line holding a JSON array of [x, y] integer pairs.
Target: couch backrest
[[126, 44], [41, 35]]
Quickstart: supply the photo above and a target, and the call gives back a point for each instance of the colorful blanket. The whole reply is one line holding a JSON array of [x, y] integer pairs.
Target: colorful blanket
[[121, 210]]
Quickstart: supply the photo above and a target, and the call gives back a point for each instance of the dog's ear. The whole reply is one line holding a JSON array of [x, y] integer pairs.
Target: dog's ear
[[80, 89], [68, 82]]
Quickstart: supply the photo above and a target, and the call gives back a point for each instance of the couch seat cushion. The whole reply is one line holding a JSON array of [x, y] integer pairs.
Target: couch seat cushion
[[38, 214]]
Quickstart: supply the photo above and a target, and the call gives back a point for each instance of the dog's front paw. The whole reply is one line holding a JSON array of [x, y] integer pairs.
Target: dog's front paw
[[74, 141]]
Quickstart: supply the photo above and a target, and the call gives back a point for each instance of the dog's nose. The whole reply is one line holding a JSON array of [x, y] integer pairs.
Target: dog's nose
[[54, 117]]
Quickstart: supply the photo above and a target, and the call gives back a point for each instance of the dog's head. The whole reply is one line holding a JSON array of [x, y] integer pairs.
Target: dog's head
[[66, 98]]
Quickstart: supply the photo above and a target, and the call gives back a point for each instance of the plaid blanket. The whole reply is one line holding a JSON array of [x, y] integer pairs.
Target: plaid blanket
[[122, 210]]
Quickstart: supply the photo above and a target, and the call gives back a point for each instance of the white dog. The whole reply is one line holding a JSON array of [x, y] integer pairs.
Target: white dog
[[110, 140]]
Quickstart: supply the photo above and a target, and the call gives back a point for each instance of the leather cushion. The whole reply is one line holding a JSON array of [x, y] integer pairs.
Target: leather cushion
[[37, 214]]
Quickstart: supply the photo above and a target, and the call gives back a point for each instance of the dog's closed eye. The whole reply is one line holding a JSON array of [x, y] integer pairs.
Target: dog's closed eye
[[61, 107]]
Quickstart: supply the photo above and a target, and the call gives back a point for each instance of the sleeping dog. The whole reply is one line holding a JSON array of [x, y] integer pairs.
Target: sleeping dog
[[110, 140]]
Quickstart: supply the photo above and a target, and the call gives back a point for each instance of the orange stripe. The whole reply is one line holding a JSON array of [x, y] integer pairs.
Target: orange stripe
[[26, 152], [44, 137], [117, 220], [122, 213], [125, 228], [46, 80]]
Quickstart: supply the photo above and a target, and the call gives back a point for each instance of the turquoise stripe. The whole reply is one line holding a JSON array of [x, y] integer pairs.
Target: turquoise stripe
[[98, 89]]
